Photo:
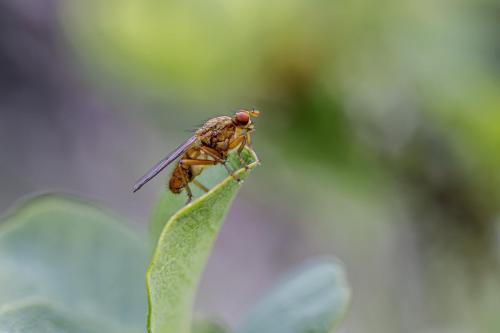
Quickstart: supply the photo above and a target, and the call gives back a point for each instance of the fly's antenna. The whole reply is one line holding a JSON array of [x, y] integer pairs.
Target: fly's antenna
[[254, 112]]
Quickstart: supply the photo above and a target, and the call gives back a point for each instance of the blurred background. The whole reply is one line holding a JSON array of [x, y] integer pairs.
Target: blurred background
[[379, 137]]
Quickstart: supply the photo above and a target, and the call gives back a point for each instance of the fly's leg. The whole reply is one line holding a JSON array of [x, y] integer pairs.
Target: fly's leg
[[249, 144], [218, 158], [188, 189], [200, 185], [189, 194], [186, 163], [241, 142]]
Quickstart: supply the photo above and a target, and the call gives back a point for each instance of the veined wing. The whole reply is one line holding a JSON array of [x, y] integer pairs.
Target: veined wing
[[164, 163]]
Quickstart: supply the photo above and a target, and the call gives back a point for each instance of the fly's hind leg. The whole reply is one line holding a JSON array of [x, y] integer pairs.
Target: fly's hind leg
[[200, 185], [186, 163], [189, 194], [218, 157], [188, 189]]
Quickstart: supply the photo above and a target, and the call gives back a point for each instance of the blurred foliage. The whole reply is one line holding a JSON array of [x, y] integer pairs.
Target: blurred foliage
[[335, 75], [314, 299], [68, 266]]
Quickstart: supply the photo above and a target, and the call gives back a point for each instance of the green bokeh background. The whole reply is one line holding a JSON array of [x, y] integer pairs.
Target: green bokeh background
[[379, 137]]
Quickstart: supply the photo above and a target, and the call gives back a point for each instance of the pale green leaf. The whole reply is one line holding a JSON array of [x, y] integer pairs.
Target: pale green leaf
[[311, 300], [182, 251], [77, 257], [169, 203]]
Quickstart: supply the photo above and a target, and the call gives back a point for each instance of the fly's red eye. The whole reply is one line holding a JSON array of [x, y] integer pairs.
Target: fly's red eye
[[242, 118]]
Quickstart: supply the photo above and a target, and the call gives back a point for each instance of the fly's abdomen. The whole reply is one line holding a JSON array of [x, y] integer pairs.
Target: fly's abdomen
[[179, 179]]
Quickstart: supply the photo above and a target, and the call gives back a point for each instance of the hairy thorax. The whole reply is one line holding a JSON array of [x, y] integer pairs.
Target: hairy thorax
[[217, 133]]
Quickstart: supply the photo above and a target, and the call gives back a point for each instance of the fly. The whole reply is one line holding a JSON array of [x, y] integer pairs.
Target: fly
[[210, 145]]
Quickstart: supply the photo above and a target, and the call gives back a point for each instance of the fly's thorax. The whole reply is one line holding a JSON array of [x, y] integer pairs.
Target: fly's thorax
[[215, 129], [192, 153], [223, 139], [220, 138], [216, 124]]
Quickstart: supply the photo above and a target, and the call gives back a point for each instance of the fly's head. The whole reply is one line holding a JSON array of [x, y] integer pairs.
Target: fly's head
[[243, 120]]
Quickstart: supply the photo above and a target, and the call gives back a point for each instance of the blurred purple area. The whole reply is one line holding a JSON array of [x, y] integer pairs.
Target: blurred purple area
[[57, 132]]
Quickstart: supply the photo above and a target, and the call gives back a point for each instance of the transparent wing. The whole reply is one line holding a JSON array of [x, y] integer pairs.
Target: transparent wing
[[164, 163]]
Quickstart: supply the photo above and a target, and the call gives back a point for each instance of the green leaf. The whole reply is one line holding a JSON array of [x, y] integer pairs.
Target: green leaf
[[170, 203], [77, 257], [312, 300], [182, 251]]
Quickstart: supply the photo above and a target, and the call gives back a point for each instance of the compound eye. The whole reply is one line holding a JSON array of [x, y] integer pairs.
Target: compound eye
[[242, 117]]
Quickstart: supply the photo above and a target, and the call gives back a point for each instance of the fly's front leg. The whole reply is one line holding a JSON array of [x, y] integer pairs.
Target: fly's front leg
[[257, 159], [218, 158], [249, 144], [240, 142]]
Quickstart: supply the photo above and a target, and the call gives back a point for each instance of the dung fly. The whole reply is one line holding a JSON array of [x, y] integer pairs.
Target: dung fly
[[210, 145]]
